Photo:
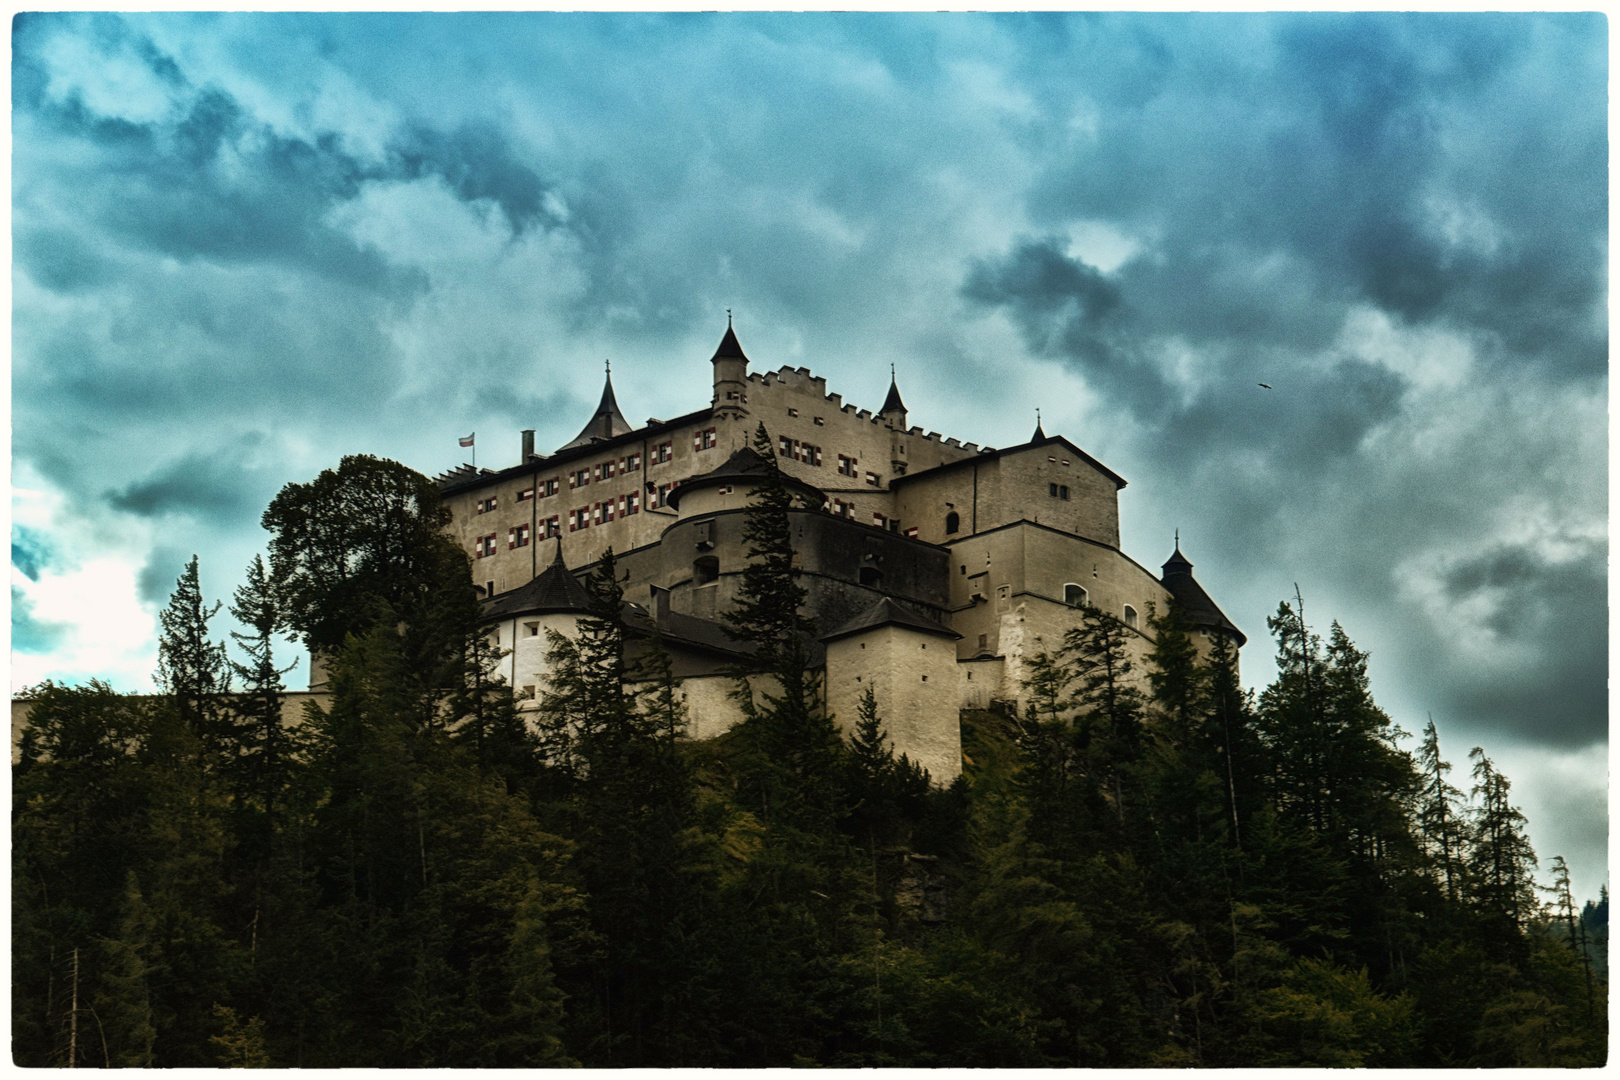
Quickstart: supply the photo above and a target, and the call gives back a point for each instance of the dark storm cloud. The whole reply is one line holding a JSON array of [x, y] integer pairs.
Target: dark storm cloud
[[30, 551], [160, 575], [1554, 613], [197, 484]]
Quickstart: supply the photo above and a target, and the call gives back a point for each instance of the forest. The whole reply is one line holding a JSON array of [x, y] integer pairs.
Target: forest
[[1146, 867]]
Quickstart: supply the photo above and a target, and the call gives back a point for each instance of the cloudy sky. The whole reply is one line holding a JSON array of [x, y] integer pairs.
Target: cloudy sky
[[246, 245]]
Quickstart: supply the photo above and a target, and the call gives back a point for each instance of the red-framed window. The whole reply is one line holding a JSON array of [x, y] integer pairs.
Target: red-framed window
[[517, 536], [705, 439], [663, 452], [484, 546], [525, 495], [486, 505], [549, 527]]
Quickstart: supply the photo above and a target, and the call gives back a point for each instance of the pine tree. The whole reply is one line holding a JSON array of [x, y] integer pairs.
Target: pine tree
[[796, 771], [261, 759], [1111, 709], [1437, 816], [1500, 856], [193, 670]]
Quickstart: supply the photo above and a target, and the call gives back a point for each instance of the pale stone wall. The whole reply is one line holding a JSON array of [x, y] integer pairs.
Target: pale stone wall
[[913, 677], [981, 682], [525, 640]]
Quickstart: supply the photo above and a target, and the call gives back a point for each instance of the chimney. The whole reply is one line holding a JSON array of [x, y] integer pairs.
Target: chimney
[[528, 444]]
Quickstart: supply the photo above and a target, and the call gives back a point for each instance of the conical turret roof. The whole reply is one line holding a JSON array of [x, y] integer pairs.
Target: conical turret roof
[[730, 348], [744, 465], [892, 404], [606, 423], [1196, 606], [555, 590]]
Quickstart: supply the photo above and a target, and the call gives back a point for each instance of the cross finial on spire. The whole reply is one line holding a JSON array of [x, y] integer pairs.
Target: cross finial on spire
[[609, 364], [728, 318], [1178, 539], [891, 371], [1037, 416]]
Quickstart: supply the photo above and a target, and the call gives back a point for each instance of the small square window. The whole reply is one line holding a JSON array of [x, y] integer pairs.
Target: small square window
[[820, 422], [793, 412]]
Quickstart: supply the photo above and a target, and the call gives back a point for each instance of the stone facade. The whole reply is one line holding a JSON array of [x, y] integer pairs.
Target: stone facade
[[934, 568]]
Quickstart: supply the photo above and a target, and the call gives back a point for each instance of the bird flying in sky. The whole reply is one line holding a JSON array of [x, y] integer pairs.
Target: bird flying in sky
[[1266, 386]]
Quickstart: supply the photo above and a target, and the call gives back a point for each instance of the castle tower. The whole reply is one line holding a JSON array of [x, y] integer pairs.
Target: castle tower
[[730, 377], [1197, 608], [893, 415]]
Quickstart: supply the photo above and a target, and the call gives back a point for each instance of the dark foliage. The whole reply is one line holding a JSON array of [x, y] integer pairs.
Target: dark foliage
[[1145, 866]]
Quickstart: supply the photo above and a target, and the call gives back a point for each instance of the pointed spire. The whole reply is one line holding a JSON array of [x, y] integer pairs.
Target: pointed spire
[[729, 348], [1177, 563], [606, 423], [892, 405], [558, 561], [1040, 433]]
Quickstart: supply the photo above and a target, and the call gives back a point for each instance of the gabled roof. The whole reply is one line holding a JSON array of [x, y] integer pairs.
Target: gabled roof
[[744, 465], [555, 590], [1196, 606], [888, 613], [606, 423], [991, 455]]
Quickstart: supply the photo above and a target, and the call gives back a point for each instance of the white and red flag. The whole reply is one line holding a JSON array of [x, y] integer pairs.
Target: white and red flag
[[468, 441]]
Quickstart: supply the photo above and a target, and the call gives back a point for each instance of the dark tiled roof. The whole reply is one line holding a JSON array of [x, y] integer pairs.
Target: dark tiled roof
[[729, 348], [690, 630], [554, 590], [1195, 604], [892, 404], [990, 455], [744, 464], [606, 423], [888, 613]]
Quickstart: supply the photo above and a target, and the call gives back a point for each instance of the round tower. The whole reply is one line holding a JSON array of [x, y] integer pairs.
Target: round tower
[[730, 376]]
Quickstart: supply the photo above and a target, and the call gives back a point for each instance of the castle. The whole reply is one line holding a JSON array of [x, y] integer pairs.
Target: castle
[[934, 568]]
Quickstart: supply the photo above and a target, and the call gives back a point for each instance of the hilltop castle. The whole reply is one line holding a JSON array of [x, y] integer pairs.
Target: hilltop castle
[[934, 567]]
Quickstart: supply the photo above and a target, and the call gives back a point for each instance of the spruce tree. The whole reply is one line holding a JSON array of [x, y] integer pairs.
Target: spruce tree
[[192, 669]]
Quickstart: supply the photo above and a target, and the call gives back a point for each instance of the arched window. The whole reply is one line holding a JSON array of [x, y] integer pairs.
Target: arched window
[[1075, 596], [1130, 616], [953, 522], [705, 570]]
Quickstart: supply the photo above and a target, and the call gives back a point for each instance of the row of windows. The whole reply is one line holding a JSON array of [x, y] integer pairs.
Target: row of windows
[[660, 454], [818, 421], [811, 455], [1076, 596]]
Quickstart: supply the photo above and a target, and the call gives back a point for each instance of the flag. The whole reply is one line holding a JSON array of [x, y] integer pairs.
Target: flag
[[468, 441]]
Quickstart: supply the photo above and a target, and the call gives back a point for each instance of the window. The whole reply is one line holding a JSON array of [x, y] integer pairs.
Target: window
[[484, 546], [912, 532], [525, 495], [1130, 616], [548, 487], [871, 577], [486, 505], [953, 522], [819, 422], [704, 440], [846, 466], [1057, 491], [549, 527], [489, 590], [705, 570], [630, 463], [842, 509], [664, 490], [604, 470], [784, 446], [517, 536], [792, 411], [631, 503], [984, 641], [579, 478], [579, 519], [663, 452], [878, 519], [872, 479], [1075, 596], [533, 628]]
